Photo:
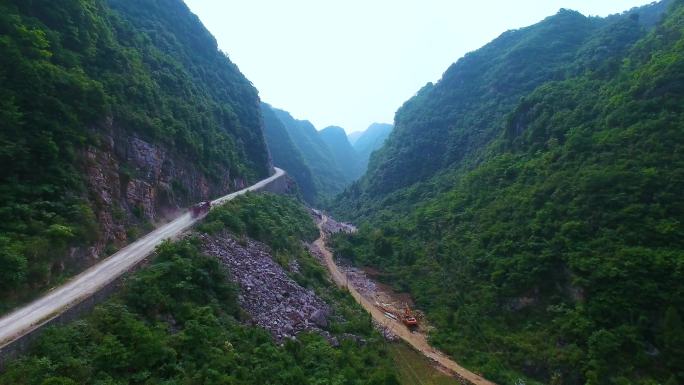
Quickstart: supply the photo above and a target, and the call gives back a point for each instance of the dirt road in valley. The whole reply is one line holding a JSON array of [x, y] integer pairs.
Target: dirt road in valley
[[417, 340], [35, 314]]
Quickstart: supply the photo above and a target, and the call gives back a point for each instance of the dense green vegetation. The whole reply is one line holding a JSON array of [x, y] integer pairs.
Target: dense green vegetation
[[67, 68], [449, 123], [282, 223], [178, 322], [414, 368], [544, 238], [276, 220], [210, 109]]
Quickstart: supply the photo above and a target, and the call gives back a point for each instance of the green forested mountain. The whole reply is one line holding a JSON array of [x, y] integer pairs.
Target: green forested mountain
[[286, 155], [113, 113], [322, 162], [328, 177], [346, 157], [449, 123], [531, 202], [369, 141]]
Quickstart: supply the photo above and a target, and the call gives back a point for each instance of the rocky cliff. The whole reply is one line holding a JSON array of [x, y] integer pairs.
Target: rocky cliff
[[135, 184]]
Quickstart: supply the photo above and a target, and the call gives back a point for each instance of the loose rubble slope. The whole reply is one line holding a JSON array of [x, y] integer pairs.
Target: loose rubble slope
[[273, 300]]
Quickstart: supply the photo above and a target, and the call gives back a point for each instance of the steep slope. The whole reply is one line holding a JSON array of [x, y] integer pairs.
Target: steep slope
[[114, 114], [286, 155], [447, 127], [369, 141], [544, 239], [449, 123], [342, 151], [328, 177]]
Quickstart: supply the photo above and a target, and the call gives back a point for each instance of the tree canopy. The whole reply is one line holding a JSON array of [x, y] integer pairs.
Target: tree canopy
[[544, 237]]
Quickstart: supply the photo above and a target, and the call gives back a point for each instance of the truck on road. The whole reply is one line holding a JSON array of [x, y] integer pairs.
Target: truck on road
[[200, 209]]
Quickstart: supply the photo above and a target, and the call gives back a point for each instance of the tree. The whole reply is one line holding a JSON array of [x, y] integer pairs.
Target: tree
[[13, 263], [673, 341]]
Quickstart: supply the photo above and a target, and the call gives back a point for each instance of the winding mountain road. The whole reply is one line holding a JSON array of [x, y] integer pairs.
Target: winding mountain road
[[417, 340], [37, 313]]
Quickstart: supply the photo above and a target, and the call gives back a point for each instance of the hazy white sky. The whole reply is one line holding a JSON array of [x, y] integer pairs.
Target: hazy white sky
[[353, 62]]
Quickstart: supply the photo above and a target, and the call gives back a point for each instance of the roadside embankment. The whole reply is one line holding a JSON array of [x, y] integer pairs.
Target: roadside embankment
[[80, 294]]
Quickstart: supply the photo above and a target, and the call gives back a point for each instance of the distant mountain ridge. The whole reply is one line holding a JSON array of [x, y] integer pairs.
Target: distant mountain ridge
[[322, 162], [369, 141], [286, 154], [328, 178], [345, 155]]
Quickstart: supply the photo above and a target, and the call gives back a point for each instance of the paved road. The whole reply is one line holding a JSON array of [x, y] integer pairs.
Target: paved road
[[23, 320], [417, 340]]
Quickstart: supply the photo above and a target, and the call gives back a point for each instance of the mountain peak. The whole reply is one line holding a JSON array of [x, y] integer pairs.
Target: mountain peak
[[334, 130]]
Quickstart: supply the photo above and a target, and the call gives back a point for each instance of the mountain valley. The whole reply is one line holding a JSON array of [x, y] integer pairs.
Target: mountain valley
[[525, 210]]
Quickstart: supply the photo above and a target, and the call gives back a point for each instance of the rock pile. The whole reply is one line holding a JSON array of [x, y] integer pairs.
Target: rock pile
[[273, 300], [364, 285], [313, 249], [385, 331], [331, 226]]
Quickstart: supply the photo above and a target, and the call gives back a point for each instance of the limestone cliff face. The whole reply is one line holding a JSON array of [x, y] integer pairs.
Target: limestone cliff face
[[134, 184]]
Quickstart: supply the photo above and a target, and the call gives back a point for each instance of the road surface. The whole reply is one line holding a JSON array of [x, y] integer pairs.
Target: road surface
[[32, 316], [417, 340]]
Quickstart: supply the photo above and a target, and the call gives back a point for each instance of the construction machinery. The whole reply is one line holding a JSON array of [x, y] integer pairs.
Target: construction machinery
[[200, 209], [408, 319]]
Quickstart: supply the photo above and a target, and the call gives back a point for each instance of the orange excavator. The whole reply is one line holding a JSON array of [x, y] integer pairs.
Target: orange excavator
[[408, 319]]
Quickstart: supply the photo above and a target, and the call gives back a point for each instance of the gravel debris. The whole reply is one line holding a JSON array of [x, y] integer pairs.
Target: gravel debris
[[274, 301], [334, 227], [385, 331]]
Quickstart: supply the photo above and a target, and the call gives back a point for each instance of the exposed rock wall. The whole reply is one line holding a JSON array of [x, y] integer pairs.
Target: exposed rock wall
[[134, 184]]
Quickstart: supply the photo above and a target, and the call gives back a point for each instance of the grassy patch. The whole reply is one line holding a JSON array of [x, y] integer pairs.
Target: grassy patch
[[415, 369]]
